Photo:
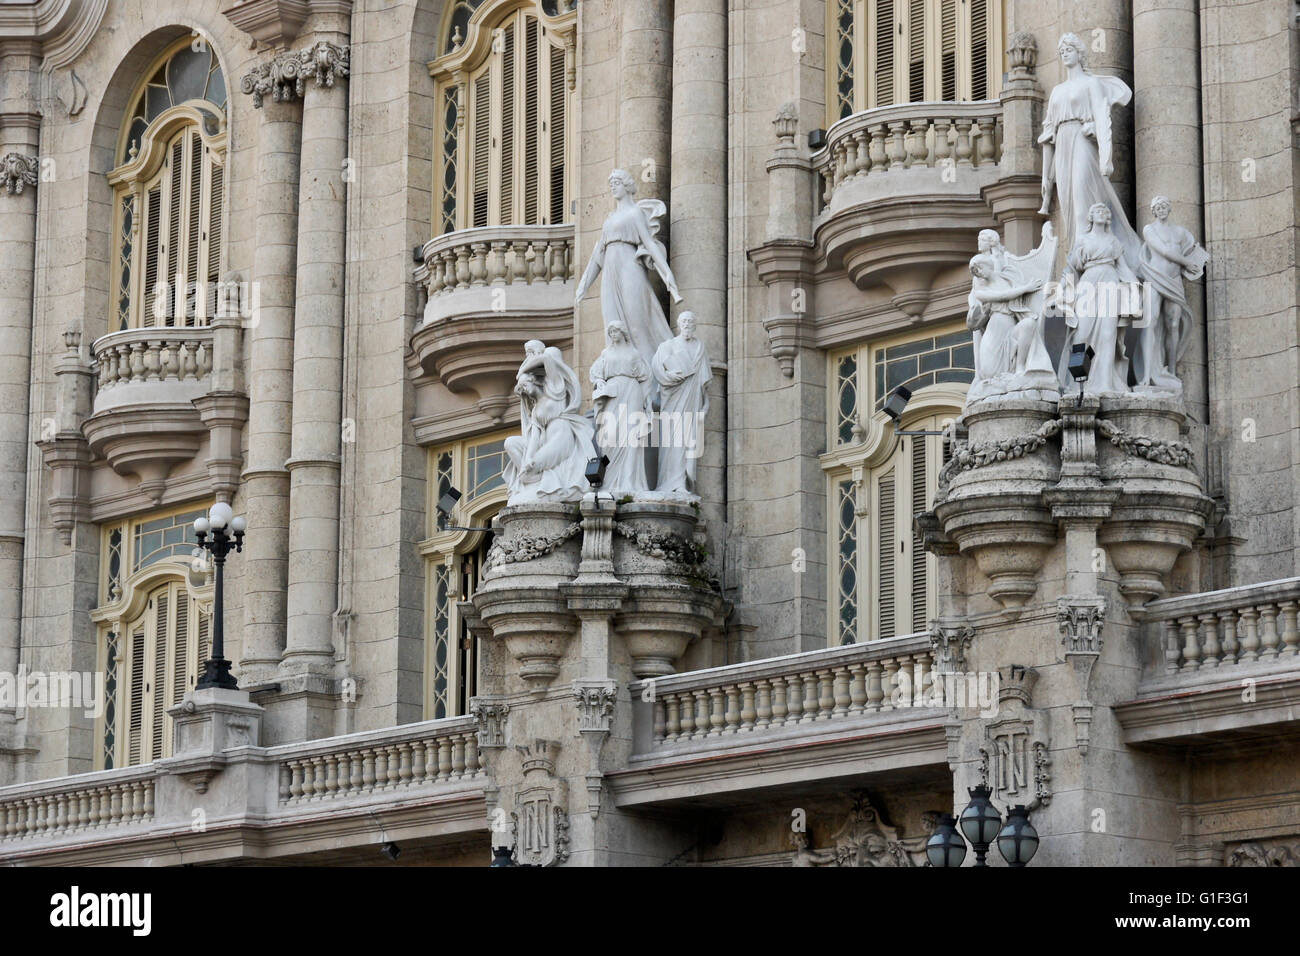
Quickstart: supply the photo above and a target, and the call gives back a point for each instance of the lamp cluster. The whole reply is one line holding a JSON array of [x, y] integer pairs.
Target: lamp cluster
[[982, 825], [221, 532]]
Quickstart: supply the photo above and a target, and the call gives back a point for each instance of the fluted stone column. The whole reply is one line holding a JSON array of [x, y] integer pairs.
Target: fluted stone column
[[19, 175], [698, 208], [270, 386], [645, 94], [1167, 112], [318, 368]]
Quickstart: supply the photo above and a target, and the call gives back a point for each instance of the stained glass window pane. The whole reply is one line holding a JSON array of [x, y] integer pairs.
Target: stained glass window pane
[[847, 559]]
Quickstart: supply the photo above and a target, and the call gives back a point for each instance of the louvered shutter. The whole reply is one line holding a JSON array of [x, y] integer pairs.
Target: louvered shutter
[[135, 708], [180, 641], [153, 244], [158, 670], [920, 501], [174, 204], [886, 562], [883, 71], [482, 139], [193, 225], [216, 199], [558, 90], [203, 643], [980, 30], [505, 213], [532, 171], [915, 51], [948, 50]]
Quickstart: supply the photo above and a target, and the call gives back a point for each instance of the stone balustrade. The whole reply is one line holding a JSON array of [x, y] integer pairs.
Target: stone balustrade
[[1235, 626], [153, 355], [907, 136], [433, 752], [76, 805], [782, 692], [497, 256]]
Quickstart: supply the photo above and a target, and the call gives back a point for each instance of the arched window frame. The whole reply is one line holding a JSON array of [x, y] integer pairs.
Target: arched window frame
[[859, 468], [158, 166], [465, 121], [169, 595], [451, 562], [930, 58]]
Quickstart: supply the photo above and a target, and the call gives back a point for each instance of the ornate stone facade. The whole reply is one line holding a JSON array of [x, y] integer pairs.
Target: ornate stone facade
[[401, 296]]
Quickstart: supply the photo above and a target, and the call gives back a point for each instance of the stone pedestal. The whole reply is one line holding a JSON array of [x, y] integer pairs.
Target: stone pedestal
[[207, 723]]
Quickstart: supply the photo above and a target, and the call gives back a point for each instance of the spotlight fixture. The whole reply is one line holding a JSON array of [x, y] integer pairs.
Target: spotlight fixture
[[894, 407], [1080, 365], [446, 506], [816, 139], [390, 850], [596, 471]]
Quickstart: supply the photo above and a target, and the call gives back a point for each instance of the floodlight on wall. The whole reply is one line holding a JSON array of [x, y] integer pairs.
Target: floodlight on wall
[[1079, 365], [390, 850], [446, 507], [596, 471], [894, 406], [816, 139]]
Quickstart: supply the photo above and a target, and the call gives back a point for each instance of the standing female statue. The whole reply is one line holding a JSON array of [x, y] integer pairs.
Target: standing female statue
[[1077, 142], [1097, 268], [620, 395], [627, 250]]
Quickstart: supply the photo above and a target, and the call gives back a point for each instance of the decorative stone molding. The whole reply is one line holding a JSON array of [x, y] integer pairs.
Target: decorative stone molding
[[595, 700], [1014, 760], [665, 545], [948, 646], [207, 723], [1174, 453], [1022, 54], [541, 822], [1080, 620], [523, 548], [285, 75], [865, 839], [491, 713], [17, 172], [1264, 853], [968, 457], [272, 22]]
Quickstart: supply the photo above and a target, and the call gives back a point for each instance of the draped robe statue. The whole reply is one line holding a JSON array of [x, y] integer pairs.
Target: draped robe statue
[[620, 395], [548, 460], [1097, 268], [681, 367], [1170, 254]]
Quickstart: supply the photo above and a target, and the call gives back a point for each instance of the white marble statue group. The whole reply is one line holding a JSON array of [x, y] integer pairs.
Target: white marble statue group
[[649, 388], [1112, 281]]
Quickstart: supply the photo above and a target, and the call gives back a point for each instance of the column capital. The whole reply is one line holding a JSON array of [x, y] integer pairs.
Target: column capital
[[17, 172], [285, 75]]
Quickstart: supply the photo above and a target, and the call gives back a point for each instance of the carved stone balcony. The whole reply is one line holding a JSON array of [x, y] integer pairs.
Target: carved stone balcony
[[1222, 667], [831, 714], [902, 193], [490, 290], [144, 421], [320, 796]]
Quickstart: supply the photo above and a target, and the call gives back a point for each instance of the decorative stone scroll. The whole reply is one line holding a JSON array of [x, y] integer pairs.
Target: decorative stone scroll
[[284, 77], [17, 172]]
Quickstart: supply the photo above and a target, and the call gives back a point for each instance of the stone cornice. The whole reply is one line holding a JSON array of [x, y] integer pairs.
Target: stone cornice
[[284, 77], [64, 28]]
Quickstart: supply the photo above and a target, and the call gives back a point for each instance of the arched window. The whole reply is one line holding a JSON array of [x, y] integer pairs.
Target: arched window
[[504, 89], [881, 580], [169, 193], [883, 52], [154, 633], [455, 561]]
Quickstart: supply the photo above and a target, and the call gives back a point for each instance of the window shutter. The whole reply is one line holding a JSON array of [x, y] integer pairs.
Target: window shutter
[[152, 250], [979, 57], [915, 51], [506, 213], [174, 204], [215, 202], [482, 140], [194, 221], [203, 644], [886, 535], [558, 91], [884, 71], [948, 50], [920, 501], [135, 710], [181, 643], [532, 123], [158, 695]]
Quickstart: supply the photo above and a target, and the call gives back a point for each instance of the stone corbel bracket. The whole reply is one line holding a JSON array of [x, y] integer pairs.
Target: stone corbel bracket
[[491, 713], [17, 172], [63, 446], [284, 77], [948, 645], [595, 701], [1080, 619], [785, 267]]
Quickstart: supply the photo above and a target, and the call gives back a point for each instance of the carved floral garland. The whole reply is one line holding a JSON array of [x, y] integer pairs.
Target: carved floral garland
[[665, 545], [1152, 449], [529, 547], [986, 453]]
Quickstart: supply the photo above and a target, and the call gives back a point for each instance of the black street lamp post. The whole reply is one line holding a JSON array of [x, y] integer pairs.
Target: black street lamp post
[[218, 533], [982, 825]]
